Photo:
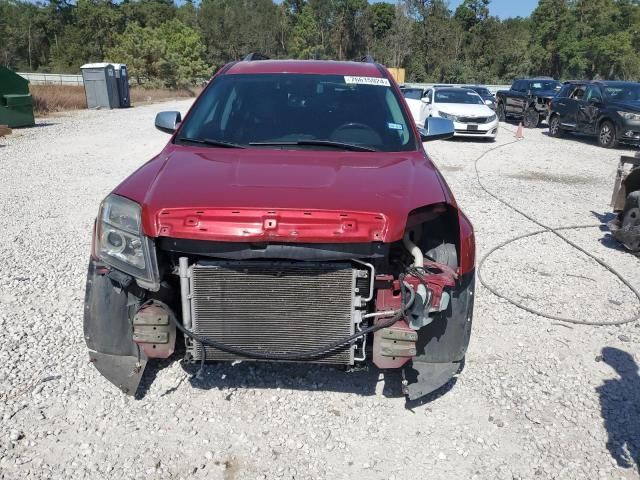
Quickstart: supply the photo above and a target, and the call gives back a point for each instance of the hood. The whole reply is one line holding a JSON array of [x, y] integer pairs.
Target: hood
[[464, 110], [282, 195]]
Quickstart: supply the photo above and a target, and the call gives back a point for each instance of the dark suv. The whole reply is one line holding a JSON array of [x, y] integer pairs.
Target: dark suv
[[608, 110]]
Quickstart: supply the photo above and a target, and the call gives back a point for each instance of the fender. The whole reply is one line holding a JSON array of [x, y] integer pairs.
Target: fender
[[108, 330], [442, 345]]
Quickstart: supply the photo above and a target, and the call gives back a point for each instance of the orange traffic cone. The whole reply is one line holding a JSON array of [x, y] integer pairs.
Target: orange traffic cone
[[520, 131]]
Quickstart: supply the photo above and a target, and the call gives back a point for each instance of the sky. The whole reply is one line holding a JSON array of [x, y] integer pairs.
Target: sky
[[500, 8], [506, 8]]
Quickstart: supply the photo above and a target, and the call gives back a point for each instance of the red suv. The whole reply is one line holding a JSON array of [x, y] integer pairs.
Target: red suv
[[293, 216]]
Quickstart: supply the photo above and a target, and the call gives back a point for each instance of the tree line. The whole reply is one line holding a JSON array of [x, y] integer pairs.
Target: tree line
[[170, 44]]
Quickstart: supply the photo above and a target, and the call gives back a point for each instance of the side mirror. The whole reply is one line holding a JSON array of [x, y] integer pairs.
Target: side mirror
[[426, 100], [168, 122], [436, 129], [488, 102]]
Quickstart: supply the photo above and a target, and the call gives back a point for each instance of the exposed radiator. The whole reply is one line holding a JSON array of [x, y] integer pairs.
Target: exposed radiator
[[274, 307]]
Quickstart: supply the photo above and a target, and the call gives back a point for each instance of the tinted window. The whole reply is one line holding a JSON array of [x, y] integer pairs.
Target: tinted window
[[593, 93], [458, 96], [288, 108], [482, 91], [412, 93], [545, 85], [519, 86], [623, 93], [566, 90]]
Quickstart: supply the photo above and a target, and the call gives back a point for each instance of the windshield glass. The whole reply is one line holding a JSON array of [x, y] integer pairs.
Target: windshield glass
[[458, 96], [545, 85], [482, 91], [412, 93], [623, 93], [299, 111]]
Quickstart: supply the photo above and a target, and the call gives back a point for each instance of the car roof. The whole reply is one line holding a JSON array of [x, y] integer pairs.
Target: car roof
[[613, 83], [319, 67], [605, 83]]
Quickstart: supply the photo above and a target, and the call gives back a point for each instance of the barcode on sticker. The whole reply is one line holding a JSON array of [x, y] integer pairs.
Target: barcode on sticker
[[382, 82]]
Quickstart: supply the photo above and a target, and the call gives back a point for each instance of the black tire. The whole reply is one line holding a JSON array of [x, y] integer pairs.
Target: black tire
[[554, 127], [531, 118], [502, 117], [631, 219], [607, 135]]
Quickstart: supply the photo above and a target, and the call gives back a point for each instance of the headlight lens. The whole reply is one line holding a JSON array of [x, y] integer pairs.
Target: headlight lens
[[491, 118], [448, 116], [121, 243], [629, 115]]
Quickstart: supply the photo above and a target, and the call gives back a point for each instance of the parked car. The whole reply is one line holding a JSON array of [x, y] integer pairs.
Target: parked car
[[294, 215], [609, 111], [413, 96], [527, 100], [485, 93], [468, 111]]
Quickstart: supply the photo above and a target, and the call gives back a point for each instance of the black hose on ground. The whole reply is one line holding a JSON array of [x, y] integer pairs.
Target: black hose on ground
[[310, 355], [555, 231]]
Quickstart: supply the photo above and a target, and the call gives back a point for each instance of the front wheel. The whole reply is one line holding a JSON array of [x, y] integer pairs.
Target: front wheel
[[531, 118], [631, 222], [554, 127], [607, 137], [500, 112]]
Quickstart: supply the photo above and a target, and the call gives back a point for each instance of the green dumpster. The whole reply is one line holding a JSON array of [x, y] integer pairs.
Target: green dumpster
[[16, 104]]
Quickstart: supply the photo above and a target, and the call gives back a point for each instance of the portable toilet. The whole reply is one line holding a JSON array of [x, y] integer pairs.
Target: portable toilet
[[122, 79], [16, 104], [100, 85]]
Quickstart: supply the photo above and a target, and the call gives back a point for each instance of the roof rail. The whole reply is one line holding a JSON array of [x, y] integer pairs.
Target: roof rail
[[368, 59], [255, 56]]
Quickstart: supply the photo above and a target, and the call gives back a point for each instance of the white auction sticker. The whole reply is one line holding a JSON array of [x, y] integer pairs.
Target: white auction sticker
[[381, 82]]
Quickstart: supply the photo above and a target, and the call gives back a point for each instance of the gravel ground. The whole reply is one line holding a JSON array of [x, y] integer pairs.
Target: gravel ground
[[537, 399]]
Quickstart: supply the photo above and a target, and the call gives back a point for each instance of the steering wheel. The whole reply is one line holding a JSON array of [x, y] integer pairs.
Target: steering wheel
[[354, 126]]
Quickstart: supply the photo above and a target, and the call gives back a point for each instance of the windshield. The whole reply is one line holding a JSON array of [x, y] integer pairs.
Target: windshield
[[458, 96], [545, 85], [623, 93], [299, 111], [412, 93], [482, 91]]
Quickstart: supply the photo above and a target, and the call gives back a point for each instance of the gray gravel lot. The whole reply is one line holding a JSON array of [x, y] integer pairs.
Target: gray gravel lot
[[537, 399]]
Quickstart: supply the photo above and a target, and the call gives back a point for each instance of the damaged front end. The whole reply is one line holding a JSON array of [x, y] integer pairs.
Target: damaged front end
[[403, 304]]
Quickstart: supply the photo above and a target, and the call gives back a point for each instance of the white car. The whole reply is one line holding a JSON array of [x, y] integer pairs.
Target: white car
[[471, 116]]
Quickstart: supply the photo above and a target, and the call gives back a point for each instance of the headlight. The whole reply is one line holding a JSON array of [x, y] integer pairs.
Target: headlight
[[121, 243], [629, 115], [448, 116], [491, 118]]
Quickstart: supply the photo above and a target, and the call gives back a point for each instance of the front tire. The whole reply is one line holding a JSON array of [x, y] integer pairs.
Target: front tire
[[631, 220], [554, 127], [531, 118], [607, 136]]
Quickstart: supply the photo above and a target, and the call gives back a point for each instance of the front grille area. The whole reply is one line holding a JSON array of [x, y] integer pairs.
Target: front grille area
[[473, 119], [272, 307]]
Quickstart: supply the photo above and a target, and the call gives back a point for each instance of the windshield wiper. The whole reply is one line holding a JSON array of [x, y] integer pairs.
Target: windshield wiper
[[320, 143], [213, 143]]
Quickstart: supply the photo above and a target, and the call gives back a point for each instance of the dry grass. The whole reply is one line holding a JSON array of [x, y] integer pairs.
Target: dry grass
[[49, 99]]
